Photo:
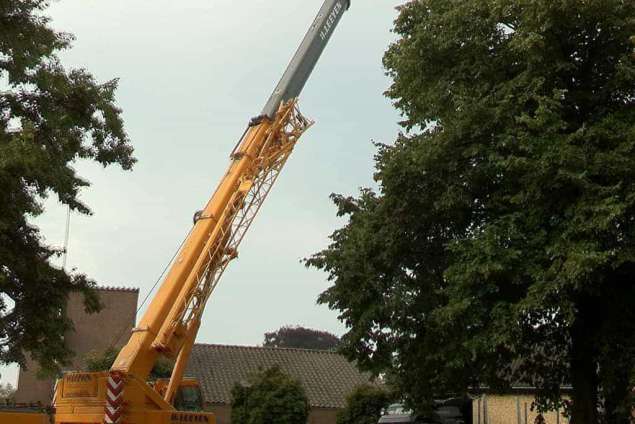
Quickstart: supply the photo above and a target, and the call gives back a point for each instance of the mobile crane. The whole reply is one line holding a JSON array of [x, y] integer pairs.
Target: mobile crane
[[170, 324]]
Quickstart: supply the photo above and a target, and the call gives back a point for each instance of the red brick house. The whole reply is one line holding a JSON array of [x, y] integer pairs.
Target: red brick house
[[92, 333]]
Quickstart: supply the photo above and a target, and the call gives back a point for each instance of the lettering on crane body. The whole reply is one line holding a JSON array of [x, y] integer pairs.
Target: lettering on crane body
[[328, 26], [182, 418], [78, 378], [78, 385]]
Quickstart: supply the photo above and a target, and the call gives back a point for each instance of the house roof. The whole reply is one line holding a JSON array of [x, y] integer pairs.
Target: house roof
[[327, 377]]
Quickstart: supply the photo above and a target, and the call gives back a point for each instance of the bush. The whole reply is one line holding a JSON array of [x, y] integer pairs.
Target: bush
[[364, 405], [271, 396]]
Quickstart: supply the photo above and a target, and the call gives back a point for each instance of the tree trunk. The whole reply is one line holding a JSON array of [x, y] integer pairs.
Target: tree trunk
[[584, 378]]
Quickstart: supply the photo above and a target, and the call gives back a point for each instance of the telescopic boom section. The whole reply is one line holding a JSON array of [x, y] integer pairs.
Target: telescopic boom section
[[172, 319], [308, 54]]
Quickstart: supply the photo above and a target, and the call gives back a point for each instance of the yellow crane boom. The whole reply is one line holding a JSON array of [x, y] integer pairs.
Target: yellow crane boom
[[171, 322], [172, 319]]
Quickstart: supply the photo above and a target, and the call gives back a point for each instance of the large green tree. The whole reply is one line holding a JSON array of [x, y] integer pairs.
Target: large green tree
[[500, 245], [301, 338], [50, 118]]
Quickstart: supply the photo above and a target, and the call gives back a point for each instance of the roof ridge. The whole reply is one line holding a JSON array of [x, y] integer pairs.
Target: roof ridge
[[118, 289], [294, 349]]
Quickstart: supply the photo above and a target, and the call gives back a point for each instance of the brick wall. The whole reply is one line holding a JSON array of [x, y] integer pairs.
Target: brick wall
[[323, 416], [316, 415], [96, 332], [509, 409], [223, 413]]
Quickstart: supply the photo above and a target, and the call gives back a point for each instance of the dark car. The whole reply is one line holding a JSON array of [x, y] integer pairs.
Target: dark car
[[443, 414], [396, 413]]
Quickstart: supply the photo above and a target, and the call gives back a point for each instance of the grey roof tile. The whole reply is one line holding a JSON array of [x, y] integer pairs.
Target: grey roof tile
[[327, 377]]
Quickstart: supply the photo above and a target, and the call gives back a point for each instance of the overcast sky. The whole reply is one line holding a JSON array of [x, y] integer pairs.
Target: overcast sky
[[191, 74]]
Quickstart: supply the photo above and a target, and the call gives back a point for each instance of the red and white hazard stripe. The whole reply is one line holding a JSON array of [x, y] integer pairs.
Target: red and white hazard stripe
[[114, 399]]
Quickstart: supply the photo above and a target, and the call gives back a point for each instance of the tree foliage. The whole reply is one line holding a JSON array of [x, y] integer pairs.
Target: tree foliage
[[103, 361], [364, 405], [7, 393], [270, 396], [301, 338], [50, 118], [500, 246]]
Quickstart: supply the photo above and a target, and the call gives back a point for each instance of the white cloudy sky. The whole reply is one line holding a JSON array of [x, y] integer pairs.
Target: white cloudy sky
[[191, 75]]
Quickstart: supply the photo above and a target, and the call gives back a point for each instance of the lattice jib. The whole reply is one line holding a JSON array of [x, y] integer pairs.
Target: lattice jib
[[240, 212]]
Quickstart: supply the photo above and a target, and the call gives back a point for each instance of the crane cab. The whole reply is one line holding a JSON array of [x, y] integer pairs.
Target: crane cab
[[188, 396]]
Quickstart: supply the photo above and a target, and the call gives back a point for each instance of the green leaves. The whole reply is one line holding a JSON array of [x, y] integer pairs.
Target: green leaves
[[364, 405], [301, 338], [497, 225], [271, 396], [7, 392], [50, 118], [103, 361]]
